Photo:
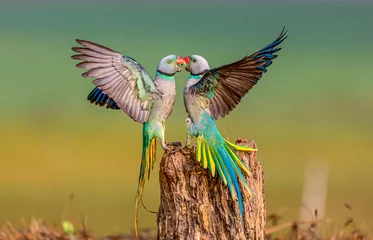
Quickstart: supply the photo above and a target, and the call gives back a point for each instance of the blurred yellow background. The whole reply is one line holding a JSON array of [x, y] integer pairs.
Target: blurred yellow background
[[314, 102]]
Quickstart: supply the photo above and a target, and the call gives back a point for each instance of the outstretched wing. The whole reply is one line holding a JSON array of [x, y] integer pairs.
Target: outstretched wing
[[121, 81], [226, 85]]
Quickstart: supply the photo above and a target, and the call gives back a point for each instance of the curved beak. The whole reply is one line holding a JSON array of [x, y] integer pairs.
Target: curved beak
[[186, 59], [180, 63]]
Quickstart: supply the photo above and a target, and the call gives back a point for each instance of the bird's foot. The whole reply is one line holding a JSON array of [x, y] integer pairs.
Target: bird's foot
[[175, 150], [166, 149], [182, 150], [197, 172], [175, 147], [185, 149], [164, 146]]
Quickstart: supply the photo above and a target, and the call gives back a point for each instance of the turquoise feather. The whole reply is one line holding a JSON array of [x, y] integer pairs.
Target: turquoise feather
[[216, 154]]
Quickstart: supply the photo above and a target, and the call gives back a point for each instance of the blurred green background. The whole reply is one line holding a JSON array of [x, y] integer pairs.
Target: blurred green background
[[315, 102]]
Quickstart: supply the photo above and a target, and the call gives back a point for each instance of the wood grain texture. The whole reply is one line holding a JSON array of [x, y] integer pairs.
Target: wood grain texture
[[195, 205]]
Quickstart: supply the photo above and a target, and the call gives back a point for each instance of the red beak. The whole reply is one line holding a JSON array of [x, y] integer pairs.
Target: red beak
[[186, 59], [180, 60]]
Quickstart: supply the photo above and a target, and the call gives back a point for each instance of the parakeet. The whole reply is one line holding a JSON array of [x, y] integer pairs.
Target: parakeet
[[122, 83], [210, 93]]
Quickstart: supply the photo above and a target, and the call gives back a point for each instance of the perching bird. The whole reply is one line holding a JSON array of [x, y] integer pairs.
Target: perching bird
[[122, 83], [209, 94]]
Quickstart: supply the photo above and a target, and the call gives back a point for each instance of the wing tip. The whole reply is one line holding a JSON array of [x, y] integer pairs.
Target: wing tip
[[81, 41], [85, 74], [283, 31], [283, 35]]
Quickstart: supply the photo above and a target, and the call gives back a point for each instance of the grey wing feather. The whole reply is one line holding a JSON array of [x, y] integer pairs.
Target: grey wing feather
[[120, 77]]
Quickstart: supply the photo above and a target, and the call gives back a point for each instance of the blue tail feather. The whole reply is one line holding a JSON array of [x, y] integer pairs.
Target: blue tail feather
[[227, 165], [236, 168], [232, 175], [225, 171], [221, 156]]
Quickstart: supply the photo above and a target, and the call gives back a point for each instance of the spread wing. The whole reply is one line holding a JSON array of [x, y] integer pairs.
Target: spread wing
[[121, 82], [224, 86]]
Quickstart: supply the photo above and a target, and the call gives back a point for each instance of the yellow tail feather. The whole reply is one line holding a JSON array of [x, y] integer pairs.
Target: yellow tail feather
[[218, 166], [208, 155], [211, 160], [199, 148], [204, 157], [149, 160], [241, 148], [239, 162], [153, 148]]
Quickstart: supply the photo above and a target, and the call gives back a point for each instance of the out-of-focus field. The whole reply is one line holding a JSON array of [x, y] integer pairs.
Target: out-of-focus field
[[315, 102]]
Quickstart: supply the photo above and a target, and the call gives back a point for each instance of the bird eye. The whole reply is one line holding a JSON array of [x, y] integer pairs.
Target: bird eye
[[169, 61], [194, 60]]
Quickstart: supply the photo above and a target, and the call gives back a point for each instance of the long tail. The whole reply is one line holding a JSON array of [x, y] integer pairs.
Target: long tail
[[147, 162], [222, 156]]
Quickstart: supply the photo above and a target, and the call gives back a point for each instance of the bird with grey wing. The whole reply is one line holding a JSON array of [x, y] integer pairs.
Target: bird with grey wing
[[213, 93], [122, 83]]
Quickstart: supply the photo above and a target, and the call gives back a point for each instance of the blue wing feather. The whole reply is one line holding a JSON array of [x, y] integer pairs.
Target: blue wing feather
[[99, 98], [267, 53]]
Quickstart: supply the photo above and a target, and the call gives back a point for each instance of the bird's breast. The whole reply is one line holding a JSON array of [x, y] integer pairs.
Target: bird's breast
[[163, 106]]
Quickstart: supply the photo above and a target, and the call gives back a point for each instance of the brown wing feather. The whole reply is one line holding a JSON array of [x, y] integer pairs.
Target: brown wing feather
[[225, 86]]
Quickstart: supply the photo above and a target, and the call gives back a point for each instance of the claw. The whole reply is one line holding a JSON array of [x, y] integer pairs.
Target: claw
[[169, 152], [165, 148], [197, 172], [174, 151]]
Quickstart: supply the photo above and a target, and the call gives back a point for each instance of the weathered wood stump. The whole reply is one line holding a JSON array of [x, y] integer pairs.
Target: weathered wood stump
[[195, 205]]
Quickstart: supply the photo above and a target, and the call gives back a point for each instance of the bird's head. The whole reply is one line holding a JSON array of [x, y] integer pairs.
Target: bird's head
[[196, 64], [171, 64]]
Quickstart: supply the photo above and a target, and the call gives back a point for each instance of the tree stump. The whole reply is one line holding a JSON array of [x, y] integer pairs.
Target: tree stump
[[195, 205]]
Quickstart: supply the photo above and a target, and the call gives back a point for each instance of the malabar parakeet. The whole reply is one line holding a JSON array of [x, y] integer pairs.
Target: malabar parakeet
[[213, 93], [122, 83]]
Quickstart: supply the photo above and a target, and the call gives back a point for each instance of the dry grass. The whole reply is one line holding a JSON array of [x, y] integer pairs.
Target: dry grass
[[317, 229], [38, 230]]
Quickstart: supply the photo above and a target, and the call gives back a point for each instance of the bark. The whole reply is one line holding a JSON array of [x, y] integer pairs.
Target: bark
[[195, 205]]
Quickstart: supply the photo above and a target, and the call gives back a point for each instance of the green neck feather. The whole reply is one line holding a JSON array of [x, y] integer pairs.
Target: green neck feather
[[165, 77], [195, 76]]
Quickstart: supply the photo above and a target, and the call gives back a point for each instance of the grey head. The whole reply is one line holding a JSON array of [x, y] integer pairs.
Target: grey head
[[170, 64], [196, 64]]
